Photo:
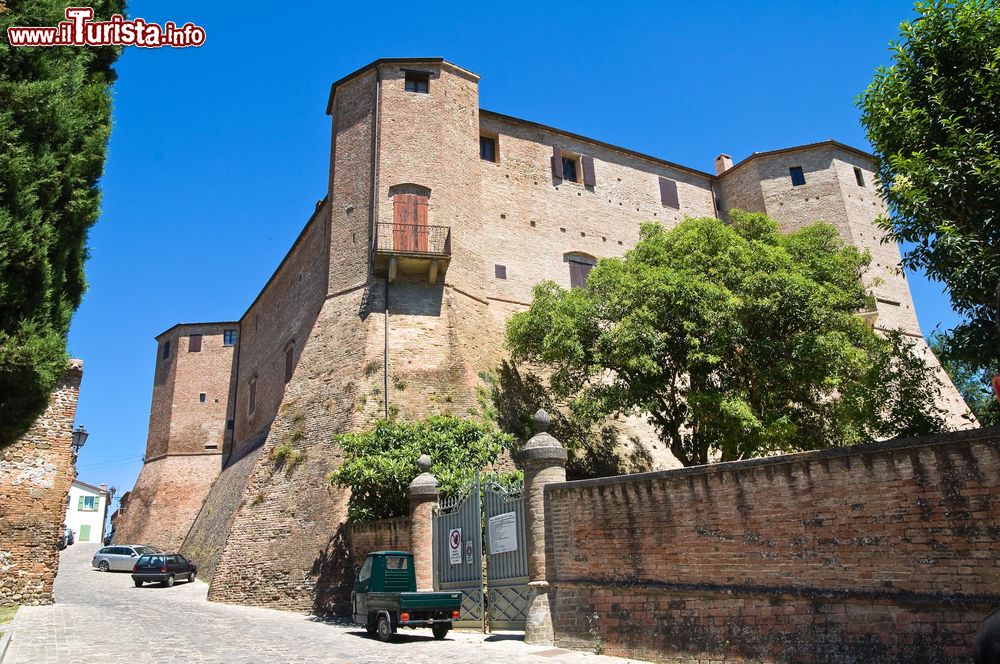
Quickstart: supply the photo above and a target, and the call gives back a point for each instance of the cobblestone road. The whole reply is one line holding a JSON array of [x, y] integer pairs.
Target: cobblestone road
[[102, 618]]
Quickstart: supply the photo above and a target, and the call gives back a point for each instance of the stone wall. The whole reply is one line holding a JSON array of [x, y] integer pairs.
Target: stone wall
[[166, 499], [880, 553], [385, 535], [35, 475], [208, 534]]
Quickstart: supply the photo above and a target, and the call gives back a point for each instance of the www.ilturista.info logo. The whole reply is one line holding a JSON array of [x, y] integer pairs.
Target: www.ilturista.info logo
[[79, 29]]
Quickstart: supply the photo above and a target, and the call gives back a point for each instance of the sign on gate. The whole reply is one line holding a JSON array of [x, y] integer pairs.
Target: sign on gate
[[468, 552], [503, 532], [455, 546]]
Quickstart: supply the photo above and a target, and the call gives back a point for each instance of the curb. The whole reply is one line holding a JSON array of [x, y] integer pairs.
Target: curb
[[5, 639]]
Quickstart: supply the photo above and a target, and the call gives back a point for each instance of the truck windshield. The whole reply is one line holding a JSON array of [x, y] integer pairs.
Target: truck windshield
[[396, 562]]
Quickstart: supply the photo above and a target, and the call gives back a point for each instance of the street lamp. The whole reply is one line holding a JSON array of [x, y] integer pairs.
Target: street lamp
[[79, 438]]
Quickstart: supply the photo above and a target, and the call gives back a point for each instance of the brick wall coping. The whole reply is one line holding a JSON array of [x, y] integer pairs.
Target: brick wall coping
[[363, 526], [991, 434]]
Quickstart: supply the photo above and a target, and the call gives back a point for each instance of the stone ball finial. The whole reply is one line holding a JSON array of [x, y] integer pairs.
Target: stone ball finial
[[424, 463], [541, 420]]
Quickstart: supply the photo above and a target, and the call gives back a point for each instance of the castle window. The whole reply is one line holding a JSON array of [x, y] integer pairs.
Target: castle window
[[253, 396], [229, 337], [488, 148], [580, 266], [194, 343], [166, 349], [569, 169], [229, 425], [798, 177], [201, 397], [668, 194], [501, 271], [859, 176], [289, 365], [418, 81]]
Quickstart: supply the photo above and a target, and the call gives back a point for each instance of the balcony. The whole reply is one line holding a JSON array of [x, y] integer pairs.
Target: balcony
[[412, 249]]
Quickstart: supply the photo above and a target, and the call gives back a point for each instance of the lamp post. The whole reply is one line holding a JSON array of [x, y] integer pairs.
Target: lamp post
[[79, 438]]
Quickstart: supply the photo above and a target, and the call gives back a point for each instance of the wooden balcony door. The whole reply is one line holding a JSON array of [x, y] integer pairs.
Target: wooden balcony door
[[409, 217]]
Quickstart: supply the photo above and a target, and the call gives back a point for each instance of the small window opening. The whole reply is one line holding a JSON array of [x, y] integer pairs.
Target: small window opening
[[859, 176], [229, 338], [569, 169], [253, 395], [501, 271], [166, 349], [488, 148], [201, 397], [418, 81], [798, 177], [289, 366]]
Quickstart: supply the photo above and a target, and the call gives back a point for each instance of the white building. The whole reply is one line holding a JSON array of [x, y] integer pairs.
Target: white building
[[85, 511]]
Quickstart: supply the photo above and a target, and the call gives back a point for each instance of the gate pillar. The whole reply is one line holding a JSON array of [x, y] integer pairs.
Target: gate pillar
[[423, 494], [544, 461]]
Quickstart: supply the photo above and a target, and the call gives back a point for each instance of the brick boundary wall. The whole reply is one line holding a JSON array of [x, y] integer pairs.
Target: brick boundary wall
[[385, 535], [35, 475], [878, 553]]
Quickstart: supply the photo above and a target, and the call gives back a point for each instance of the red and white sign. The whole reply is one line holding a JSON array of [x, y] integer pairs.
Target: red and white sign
[[455, 546]]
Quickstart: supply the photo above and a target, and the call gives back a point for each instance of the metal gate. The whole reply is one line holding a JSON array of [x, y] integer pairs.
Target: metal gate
[[493, 578]]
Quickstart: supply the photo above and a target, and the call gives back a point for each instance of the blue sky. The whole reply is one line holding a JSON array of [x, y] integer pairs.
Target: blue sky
[[218, 154]]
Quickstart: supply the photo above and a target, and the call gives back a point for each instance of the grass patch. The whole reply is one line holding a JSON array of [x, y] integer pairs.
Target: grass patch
[[7, 614], [286, 455]]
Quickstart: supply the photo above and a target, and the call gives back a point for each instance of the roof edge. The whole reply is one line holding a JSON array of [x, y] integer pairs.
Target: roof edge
[[603, 144], [808, 146], [213, 322], [389, 61]]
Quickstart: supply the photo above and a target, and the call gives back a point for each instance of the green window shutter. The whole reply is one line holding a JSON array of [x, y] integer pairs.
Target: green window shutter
[[79, 507]]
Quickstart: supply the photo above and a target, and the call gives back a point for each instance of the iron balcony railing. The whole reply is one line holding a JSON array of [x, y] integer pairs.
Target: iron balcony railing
[[413, 239]]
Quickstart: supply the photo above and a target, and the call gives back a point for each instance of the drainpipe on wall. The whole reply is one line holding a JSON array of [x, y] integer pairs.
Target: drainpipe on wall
[[373, 217]]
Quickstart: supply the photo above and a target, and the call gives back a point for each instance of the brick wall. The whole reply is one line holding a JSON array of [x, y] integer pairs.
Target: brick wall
[[35, 475], [385, 535], [881, 553], [208, 533], [166, 499]]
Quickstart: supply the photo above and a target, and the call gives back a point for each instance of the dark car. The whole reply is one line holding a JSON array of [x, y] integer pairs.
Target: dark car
[[164, 568]]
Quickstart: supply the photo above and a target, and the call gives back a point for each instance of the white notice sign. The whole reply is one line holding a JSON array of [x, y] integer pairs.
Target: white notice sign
[[468, 552], [455, 546], [503, 532]]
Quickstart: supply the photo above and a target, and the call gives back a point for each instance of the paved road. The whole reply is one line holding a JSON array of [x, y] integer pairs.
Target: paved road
[[102, 617]]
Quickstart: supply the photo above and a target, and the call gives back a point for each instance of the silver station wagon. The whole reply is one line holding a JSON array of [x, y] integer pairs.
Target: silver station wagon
[[120, 557]]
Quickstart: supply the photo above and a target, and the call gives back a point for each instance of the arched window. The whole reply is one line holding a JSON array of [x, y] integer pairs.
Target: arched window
[[580, 265]]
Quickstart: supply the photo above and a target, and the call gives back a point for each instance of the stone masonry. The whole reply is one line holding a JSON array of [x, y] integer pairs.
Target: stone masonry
[[394, 297], [35, 475]]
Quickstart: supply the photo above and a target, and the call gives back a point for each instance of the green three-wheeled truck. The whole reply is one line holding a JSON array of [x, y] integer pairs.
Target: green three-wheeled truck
[[385, 598]]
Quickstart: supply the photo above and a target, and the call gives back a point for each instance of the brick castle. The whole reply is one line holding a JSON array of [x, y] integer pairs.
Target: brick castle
[[439, 219]]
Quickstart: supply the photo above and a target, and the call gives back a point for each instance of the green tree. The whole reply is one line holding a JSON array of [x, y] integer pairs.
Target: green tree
[[380, 463], [55, 117], [933, 119], [736, 340], [972, 382]]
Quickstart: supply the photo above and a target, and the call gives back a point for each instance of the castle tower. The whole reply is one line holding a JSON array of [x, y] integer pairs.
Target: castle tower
[[188, 433], [835, 183]]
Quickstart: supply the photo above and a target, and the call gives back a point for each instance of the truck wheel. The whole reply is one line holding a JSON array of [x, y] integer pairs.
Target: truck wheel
[[384, 629], [440, 631]]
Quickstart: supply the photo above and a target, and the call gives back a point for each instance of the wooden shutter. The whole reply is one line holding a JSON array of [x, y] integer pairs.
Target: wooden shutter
[[557, 171], [588, 171], [421, 231], [578, 273], [668, 193], [194, 343], [79, 507]]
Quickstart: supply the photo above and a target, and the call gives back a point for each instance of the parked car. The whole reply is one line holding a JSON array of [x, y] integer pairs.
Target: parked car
[[120, 558], [162, 567], [69, 535], [62, 541]]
